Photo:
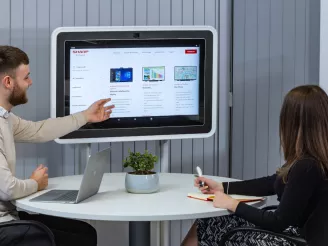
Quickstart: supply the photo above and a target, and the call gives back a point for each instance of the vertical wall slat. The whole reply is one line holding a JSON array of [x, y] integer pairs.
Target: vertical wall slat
[[117, 13], [59, 152], [237, 157], [80, 12], [307, 42], [93, 12], [263, 88], [176, 12], [222, 140], [250, 88], [153, 13], [43, 83], [314, 41], [289, 15], [68, 13], [141, 12], [105, 10], [276, 70], [197, 9], [17, 25], [288, 49], [165, 12], [5, 23], [187, 12], [206, 14], [300, 41], [129, 12], [68, 17]]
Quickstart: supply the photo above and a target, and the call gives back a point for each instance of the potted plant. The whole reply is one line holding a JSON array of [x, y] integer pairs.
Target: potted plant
[[142, 179]]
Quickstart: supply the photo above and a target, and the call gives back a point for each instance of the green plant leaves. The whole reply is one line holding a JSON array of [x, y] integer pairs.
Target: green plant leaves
[[141, 163]]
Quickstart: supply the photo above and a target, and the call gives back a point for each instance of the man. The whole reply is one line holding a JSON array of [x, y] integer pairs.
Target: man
[[14, 82]]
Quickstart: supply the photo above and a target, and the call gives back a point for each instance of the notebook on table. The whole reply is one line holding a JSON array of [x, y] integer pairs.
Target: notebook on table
[[210, 197]]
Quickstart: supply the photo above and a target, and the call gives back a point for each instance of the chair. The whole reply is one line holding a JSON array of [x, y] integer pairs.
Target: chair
[[292, 239], [25, 232]]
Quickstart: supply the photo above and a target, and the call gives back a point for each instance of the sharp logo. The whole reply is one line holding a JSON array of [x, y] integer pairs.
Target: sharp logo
[[80, 51]]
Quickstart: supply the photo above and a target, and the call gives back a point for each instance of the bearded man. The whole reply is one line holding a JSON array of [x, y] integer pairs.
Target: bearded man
[[14, 82]]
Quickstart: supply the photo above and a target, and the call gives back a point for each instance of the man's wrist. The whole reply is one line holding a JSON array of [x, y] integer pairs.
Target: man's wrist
[[86, 115], [34, 184]]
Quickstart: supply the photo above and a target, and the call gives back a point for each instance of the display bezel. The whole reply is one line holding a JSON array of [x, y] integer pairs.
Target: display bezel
[[183, 37]]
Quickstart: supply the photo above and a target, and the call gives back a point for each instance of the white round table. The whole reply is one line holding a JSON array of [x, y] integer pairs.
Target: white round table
[[113, 203]]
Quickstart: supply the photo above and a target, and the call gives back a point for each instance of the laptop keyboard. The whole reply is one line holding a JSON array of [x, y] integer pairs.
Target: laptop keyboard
[[69, 196]]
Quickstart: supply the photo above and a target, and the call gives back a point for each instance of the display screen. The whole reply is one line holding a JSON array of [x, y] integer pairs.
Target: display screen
[[159, 84], [159, 81]]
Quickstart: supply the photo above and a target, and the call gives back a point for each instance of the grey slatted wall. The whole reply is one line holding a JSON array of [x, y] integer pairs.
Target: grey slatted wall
[[275, 48], [28, 24]]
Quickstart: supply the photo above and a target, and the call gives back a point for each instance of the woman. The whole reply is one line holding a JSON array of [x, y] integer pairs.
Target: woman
[[300, 184]]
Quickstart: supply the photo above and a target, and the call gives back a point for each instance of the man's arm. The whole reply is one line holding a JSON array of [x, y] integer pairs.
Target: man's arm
[[254, 187], [12, 188], [46, 130]]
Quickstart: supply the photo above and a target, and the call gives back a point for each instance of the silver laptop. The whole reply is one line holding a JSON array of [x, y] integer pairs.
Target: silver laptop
[[90, 184]]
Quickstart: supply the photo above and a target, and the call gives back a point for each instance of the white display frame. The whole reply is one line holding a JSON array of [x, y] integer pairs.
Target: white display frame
[[59, 30]]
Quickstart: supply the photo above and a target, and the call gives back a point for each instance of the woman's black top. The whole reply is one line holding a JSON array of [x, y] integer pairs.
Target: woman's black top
[[303, 201]]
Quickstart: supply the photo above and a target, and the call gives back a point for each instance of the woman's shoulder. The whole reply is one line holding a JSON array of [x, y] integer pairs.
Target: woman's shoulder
[[307, 164]]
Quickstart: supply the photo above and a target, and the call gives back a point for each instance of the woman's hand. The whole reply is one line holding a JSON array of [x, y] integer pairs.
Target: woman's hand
[[210, 186], [222, 200]]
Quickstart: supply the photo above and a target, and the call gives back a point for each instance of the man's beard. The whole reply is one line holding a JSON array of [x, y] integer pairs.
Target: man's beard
[[18, 96]]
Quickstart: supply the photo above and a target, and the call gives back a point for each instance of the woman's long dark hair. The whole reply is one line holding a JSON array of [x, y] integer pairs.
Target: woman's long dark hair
[[304, 127]]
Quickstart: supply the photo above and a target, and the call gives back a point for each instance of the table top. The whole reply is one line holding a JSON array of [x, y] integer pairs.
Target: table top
[[114, 203]]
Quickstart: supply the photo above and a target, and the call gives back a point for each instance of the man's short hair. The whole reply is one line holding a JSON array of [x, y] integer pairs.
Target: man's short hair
[[10, 59]]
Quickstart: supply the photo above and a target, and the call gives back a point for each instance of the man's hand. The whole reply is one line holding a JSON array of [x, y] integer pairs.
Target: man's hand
[[40, 175], [97, 112]]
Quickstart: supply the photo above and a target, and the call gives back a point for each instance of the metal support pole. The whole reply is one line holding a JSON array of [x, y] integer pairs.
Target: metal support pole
[[139, 233]]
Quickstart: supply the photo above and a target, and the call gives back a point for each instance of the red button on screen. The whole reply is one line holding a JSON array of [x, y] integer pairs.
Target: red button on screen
[[191, 51]]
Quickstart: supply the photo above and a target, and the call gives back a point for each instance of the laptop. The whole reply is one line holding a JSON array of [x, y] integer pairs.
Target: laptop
[[90, 184]]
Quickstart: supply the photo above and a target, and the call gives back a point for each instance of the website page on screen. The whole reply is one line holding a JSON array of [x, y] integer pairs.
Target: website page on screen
[[141, 82]]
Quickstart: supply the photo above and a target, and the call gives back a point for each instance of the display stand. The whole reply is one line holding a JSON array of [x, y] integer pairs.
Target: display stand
[[193, 45], [165, 164], [151, 233]]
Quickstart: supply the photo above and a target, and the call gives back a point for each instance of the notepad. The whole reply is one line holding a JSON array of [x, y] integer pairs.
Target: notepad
[[210, 197]]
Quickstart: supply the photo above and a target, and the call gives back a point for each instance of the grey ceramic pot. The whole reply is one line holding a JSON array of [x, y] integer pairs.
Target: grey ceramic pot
[[148, 183]]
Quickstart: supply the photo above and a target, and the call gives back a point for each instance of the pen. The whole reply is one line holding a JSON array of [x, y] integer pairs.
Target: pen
[[200, 174]]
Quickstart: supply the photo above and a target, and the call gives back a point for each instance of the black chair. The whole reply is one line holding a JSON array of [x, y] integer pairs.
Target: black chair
[[292, 239], [25, 232]]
